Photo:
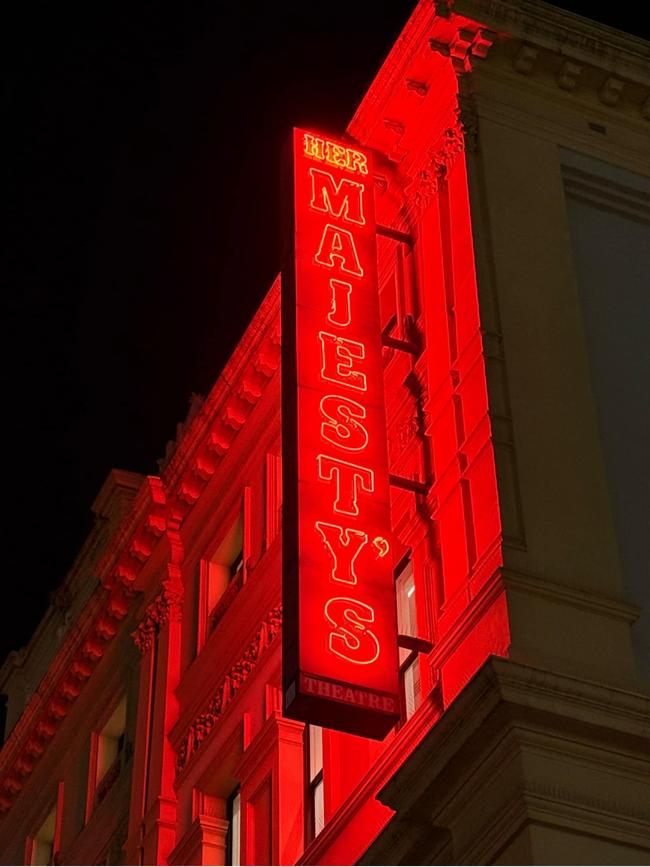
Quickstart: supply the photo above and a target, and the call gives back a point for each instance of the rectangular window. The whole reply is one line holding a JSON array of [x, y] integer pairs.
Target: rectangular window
[[315, 800], [233, 839], [107, 757], [223, 573], [44, 846], [407, 625], [43, 842]]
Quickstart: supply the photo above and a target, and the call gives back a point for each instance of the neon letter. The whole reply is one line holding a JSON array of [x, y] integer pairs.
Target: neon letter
[[314, 147], [357, 161], [349, 478], [344, 199], [351, 639], [338, 355], [338, 244], [344, 545], [336, 154], [341, 428], [340, 312]]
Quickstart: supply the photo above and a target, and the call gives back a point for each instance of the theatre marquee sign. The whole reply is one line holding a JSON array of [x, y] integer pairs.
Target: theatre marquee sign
[[339, 624]]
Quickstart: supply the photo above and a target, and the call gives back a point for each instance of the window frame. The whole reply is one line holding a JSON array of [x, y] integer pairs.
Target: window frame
[[314, 782], [234, 799]]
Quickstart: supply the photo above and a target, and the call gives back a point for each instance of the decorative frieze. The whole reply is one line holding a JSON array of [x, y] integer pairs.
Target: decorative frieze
[[230, 685]]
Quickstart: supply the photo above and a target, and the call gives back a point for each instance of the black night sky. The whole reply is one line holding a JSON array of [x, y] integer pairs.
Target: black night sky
[[142, 229]]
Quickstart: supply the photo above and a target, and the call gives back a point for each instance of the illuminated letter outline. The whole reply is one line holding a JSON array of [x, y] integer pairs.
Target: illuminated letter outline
[[350, 424], [314, 146], [336, 252], [347, 344], [345, 535], [362, 472], [352, 641], [327, 195], [332, 316]]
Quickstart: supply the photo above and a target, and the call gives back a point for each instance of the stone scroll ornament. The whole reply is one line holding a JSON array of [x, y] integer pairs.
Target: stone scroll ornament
[[165, 607]]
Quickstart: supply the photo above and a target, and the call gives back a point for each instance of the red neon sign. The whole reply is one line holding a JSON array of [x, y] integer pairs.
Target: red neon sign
[[340, 633]]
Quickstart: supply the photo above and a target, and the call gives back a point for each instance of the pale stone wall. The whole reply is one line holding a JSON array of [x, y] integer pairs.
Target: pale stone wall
[[543, 758]]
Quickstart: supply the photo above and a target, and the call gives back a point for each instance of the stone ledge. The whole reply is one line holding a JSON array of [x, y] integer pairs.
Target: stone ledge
[[523, 753]]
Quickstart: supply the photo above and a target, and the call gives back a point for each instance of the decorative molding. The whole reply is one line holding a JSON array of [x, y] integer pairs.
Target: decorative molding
[[462, 44], [467, 115], [603, 606], [426, 182], [548, 739], [569, 74], [151, 515], [562, 32], [58, 691], [525, 59], [216, 427], [230, 685], [166, 607], [606, 194], [611, 90]]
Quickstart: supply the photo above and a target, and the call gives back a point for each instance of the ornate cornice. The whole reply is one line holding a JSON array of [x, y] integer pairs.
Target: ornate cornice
[[126, 554], [166, 607], [230, 403], [573, 36], [134, 541], [157, 510], [467, 114], [229, 686], [60, 688]]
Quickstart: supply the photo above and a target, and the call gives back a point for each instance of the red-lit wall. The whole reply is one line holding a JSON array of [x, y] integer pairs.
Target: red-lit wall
[[208, 713]]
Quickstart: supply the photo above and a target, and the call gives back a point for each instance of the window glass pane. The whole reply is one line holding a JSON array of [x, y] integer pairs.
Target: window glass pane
[[406, 615], [319, 808], [315, 752], [412, 687], [235, 830], [111, 741], [43, 849]]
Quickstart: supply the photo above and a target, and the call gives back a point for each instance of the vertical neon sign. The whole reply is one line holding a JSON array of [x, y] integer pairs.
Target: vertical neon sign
[[340, 633]]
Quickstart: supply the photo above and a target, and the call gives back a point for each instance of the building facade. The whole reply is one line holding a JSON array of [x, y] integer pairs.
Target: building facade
[[144, 719]]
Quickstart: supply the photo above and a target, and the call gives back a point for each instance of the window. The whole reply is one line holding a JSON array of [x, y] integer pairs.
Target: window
[[224, 569], [407, 626], [315, 801], [233, 839], [107, 755], [43, 847]]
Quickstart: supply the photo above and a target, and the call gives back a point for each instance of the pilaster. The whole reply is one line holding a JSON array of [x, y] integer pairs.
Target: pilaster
[[152, 827], [272, 770]]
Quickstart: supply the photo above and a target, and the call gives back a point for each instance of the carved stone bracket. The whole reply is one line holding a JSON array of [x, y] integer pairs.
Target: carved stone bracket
[[467, 115], [426, 182], [465, 45], [228, 688], [166, 607]]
